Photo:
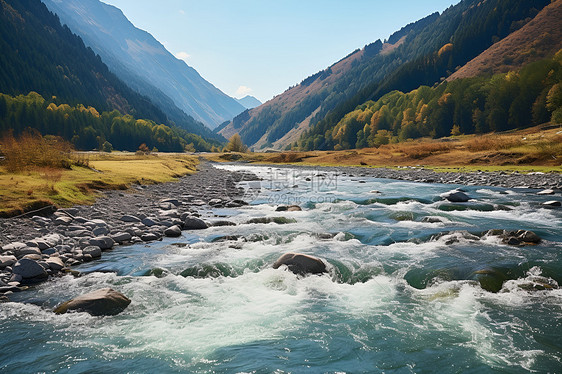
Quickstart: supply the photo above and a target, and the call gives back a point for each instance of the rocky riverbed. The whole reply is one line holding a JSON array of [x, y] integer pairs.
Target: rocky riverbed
[[37, 247], [33, 248]]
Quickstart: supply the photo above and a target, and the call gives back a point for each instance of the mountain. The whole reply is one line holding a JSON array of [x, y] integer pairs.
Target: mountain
[[249, 102], [140, 60], [419, 54], [50, 81], [541, 37], [39, 54]]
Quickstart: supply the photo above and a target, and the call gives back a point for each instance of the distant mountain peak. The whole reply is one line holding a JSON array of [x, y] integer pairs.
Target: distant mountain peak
[[249, 102]]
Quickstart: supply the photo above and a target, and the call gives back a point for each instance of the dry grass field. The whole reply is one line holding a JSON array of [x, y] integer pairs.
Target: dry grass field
[[533, 149], [38, 184]]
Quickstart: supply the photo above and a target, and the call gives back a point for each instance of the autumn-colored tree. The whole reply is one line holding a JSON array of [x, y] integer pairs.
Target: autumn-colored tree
[[235, 144]]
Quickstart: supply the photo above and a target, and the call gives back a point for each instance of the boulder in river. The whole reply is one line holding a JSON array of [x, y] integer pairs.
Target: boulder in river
[[432, 219], [288, 208], [194, 223], [546, 192], [173, 231], [103, 302], [301, 264], [552, 204], [29, 269], [515, 238], [455, 196]]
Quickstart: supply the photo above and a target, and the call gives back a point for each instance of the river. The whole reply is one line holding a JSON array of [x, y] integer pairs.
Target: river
[[401, 295]]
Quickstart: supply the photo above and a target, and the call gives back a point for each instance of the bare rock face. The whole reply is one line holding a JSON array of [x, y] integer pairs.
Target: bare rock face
[[301, 264], [103, 302]]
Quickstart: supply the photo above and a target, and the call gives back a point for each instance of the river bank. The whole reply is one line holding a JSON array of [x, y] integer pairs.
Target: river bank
[[50, 245]]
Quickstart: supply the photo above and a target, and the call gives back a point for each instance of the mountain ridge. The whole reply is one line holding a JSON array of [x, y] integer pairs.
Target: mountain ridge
[[138, 58], [425, 52]]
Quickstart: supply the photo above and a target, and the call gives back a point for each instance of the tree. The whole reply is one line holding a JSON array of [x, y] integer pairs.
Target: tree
[[106, 147], [235, 144]]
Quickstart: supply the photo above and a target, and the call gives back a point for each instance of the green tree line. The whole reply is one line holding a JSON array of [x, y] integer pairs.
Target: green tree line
[[518, 99], [89, 129]]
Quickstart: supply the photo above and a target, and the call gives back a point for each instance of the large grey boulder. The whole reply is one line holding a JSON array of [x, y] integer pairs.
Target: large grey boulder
[[552, 203], [28, 268], [103, 302], [104, 242], [173, 231], [193, 223], [301, 264], [93, 251], [455, 196], [121, 237]]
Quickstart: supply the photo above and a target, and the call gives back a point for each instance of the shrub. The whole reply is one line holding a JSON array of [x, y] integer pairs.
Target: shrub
[[31, 150]]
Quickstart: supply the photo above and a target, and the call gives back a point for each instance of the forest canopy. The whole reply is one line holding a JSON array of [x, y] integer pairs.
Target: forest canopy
[[89, 129]]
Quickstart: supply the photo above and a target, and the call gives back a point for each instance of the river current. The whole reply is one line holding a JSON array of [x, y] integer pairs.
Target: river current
[[401, 295]]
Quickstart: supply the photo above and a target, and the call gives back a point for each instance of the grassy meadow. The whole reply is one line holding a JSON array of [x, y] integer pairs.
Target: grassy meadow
[[66, 178]]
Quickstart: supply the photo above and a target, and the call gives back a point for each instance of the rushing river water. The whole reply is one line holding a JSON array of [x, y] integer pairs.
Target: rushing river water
[[399, 296]]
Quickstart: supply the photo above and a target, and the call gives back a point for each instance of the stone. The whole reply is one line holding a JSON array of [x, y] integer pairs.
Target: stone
[[215, 202], [7, 261], [301, 264], [149, 237], [432, 219], [104, 242], [13, 246], [173, 231], [288, 208], [149, 222], [27, 251], [28, 268], [552, 203], [528, 237], [100, 230], [172, 201], [193, 223], [121, 237], [222, 223], [455, 196], [103, 302], [130, 218], [63, 220], [68, 211], [546, 192], [93, 251], [55, 263], [98, 222]]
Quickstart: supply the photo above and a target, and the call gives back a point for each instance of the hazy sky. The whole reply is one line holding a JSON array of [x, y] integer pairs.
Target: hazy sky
[[262, 47]]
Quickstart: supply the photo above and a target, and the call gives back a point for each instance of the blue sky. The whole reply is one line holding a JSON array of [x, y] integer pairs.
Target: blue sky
[[262, 47]]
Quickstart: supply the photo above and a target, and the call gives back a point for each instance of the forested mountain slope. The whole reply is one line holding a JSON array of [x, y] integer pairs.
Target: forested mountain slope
[[71, 87], [505, 101], [39, 54], [541, 37], [420, 54], [143, 62]]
